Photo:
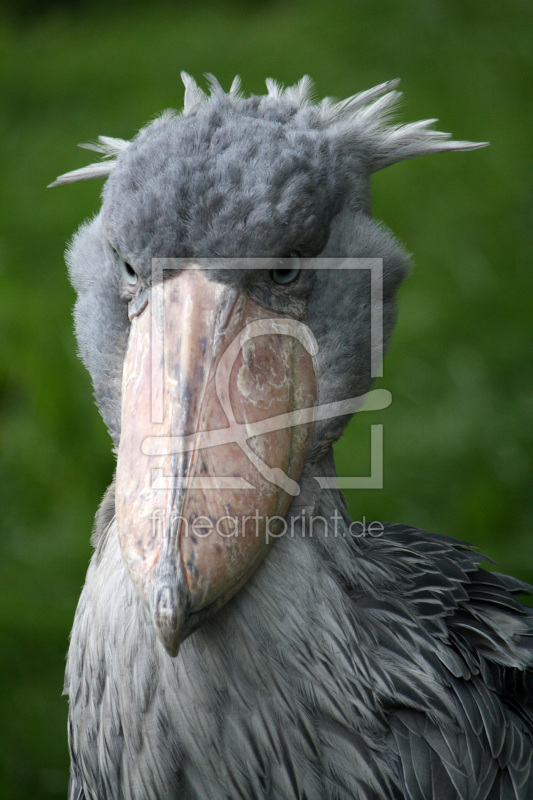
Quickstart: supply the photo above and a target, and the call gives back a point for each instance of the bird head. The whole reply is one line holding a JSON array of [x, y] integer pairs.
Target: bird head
[[217, 317]]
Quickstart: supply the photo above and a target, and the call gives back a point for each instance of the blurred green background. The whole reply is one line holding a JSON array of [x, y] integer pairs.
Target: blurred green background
[[458, 435]]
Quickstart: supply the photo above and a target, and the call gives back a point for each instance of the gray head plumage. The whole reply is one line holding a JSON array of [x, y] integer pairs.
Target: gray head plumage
[[363, 117], [259, 177]]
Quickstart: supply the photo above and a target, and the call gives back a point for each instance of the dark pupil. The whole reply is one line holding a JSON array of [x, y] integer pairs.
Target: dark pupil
[[129, 269], [284, 275]]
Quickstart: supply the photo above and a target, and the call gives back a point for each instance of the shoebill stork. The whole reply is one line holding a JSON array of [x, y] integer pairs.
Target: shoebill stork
[[220, 648]]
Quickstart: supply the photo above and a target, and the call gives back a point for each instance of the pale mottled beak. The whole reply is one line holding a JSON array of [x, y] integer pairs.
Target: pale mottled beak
[[199, 486]]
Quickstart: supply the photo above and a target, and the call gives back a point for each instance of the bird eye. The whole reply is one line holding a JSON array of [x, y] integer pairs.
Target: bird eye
[[288, 269], [129, 274]]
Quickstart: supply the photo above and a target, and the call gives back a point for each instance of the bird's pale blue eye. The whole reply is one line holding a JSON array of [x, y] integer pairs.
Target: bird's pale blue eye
[[129, 274], [288, 270]]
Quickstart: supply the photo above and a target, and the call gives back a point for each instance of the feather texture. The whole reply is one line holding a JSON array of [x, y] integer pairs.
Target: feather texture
[[363, 119], [339, 687]]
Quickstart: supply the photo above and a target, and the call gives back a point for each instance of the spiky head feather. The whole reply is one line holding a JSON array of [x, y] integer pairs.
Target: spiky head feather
[[363, 120]]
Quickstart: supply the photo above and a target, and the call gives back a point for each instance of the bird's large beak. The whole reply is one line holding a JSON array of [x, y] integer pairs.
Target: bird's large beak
[[211, 444]]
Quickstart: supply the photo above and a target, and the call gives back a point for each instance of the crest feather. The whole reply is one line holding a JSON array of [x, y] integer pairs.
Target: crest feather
[[101, 169], [365, 120], [235, 88], [193, 94], [109, 147], [362, 122], [214, 85], [106, 145], [300, 94], [331, 110], [274, 88]]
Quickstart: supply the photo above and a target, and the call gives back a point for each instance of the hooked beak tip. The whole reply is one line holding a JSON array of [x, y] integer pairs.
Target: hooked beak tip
[[169, 605]]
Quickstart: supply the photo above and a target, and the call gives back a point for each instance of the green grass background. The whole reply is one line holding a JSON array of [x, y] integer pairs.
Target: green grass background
[[458, 435]]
